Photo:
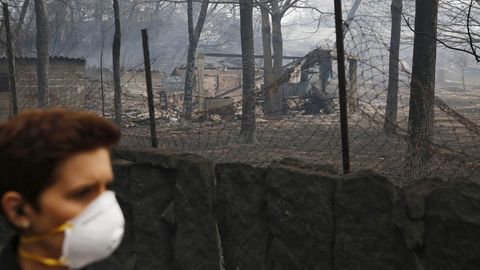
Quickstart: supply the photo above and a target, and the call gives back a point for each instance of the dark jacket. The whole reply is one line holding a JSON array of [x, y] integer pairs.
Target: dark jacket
[[8, 260]]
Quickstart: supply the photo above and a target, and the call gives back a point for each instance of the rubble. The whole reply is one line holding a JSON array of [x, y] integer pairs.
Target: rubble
[[215, 118], [142, 118]]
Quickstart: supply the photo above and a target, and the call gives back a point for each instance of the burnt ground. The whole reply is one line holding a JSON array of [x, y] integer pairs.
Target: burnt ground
[[316, 139]]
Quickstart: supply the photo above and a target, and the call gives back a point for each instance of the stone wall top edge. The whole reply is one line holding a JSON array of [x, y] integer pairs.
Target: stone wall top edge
[[154, 156]]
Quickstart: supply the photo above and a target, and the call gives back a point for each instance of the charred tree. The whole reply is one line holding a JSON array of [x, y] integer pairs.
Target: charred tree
[[351, 17], [117, 95], [392, 92], [20, 22], [267, 60], [276, 12], [422, 93], [194, 33], [247, 131], [42, 39], [277, 45], [11, 61], [461, 61]]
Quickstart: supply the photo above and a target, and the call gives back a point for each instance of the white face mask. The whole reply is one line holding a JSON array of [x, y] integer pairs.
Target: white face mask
[[90, 237]]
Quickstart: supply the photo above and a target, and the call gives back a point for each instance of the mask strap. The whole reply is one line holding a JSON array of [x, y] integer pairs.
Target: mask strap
[[59, 230], [45, 261]]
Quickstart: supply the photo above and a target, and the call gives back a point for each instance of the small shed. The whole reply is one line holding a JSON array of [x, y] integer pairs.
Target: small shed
[[66, 83]]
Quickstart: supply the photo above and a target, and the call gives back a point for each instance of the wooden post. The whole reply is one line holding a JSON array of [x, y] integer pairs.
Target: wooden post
[[352, 86], [11, 61], [391, 109], [163, 101], [201, 82], [305, 74], [325, 69], [148, 78], [102, 90]]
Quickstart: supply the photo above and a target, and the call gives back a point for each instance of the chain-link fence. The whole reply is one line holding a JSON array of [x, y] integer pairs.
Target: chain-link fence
[[308, 127]]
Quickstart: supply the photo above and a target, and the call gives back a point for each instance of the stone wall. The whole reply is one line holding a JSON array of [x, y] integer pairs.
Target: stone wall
[[183, 212], [292, 216], [168, 203]]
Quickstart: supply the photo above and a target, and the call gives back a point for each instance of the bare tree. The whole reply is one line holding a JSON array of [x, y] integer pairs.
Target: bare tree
[[392, 92], [351, 16], [116, 64], [461, 61], [21, 20], [194, 33], [267, 58], [248, 62], [458, 24], [277, 10], [422, 93], [277, 38], [42, 39], [11, 60]]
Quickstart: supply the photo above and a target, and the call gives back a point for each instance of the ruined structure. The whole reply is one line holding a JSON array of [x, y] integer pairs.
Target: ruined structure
[[66, 83]]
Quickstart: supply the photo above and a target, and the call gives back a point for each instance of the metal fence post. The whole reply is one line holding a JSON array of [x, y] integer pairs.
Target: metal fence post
[[148, 78], [342, 86]]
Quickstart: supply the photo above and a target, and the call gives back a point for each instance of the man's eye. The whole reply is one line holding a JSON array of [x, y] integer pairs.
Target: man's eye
[[83, 193]]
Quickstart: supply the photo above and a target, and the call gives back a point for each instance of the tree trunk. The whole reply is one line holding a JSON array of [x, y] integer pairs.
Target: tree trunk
[[247, 131], [277, 44], [422, 93], [11, 61], [42, 52], [190, 69], [201, 83], [58, 29], [193, 37], [463, 79], [267, 60], [102, 49], [117, 97], [98, 40], [392, 92], [20, 22], [351, 17]]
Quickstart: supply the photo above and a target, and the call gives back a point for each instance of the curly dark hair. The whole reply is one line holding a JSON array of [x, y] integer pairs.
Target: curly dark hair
[[35, 142]]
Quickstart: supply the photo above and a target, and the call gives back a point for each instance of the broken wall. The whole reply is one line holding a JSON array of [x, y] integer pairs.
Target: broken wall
[[66, 84]]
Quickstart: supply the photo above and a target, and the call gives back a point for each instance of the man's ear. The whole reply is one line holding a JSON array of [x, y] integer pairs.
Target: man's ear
[[13, 205]]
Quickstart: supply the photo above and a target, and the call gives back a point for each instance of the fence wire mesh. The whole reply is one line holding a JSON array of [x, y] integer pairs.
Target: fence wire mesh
[[308, 129]]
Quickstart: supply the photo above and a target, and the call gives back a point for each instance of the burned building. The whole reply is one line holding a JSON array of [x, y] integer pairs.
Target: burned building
[[66, 83], [216, 79], [218, 82]]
